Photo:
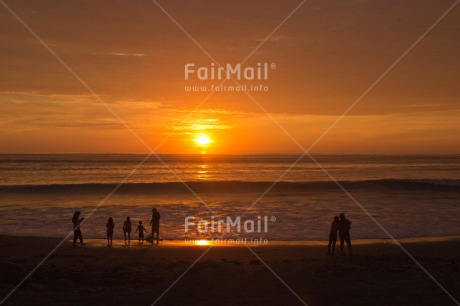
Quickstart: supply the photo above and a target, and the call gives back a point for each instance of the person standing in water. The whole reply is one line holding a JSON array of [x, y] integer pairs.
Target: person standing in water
[[155, 223], [344, 233], [110, 226], [127, 229], [76, 220], [333, 235], [141, 229]]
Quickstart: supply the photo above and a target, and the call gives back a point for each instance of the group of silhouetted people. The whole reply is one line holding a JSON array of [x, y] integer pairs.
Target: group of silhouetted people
[[154, 222], [341, 225]]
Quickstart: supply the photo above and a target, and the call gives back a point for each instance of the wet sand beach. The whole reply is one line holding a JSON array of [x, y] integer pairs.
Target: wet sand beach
[[378, 274]]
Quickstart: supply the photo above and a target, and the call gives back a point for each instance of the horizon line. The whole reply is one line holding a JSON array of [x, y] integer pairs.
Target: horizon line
[[232, 154]]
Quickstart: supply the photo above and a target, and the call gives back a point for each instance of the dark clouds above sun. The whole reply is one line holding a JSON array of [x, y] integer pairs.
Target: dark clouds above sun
[[327, 54]]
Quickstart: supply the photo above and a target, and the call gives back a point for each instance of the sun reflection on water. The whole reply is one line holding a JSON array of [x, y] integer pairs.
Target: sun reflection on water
[[202, 172], [202, 242]]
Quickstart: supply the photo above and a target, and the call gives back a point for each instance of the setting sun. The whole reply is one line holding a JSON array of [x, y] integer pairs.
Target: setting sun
[[202, 140]]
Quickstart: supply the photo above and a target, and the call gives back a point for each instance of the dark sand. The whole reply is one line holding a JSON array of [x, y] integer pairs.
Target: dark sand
[[379, 274]]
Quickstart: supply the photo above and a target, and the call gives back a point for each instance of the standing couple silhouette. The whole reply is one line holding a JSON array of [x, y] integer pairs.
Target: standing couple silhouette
[[341, 225]]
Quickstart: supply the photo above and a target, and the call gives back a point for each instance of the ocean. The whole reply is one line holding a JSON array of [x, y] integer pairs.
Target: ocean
[[411, 196]]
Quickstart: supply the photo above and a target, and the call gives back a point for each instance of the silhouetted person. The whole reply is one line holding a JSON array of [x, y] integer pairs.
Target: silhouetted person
[[344, 232], [127, 229], [110, 226], [141, 229], [76, 220], [333, 235], [155, 223]]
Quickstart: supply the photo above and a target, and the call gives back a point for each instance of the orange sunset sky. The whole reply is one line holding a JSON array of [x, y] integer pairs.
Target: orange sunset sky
[[133, 56]]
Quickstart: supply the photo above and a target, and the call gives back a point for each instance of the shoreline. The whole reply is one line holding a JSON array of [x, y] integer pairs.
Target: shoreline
[[379, 273], [192, 241], [99, 242]]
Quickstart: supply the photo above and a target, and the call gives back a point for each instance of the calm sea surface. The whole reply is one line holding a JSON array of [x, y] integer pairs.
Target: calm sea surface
[[411, 196]]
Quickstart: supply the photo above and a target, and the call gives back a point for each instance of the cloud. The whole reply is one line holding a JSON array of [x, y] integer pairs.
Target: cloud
[[127, 54], [133, 57]]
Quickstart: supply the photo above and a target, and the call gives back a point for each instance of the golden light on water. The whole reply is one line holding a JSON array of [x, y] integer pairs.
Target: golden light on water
[[202, 172], [202, 242]]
